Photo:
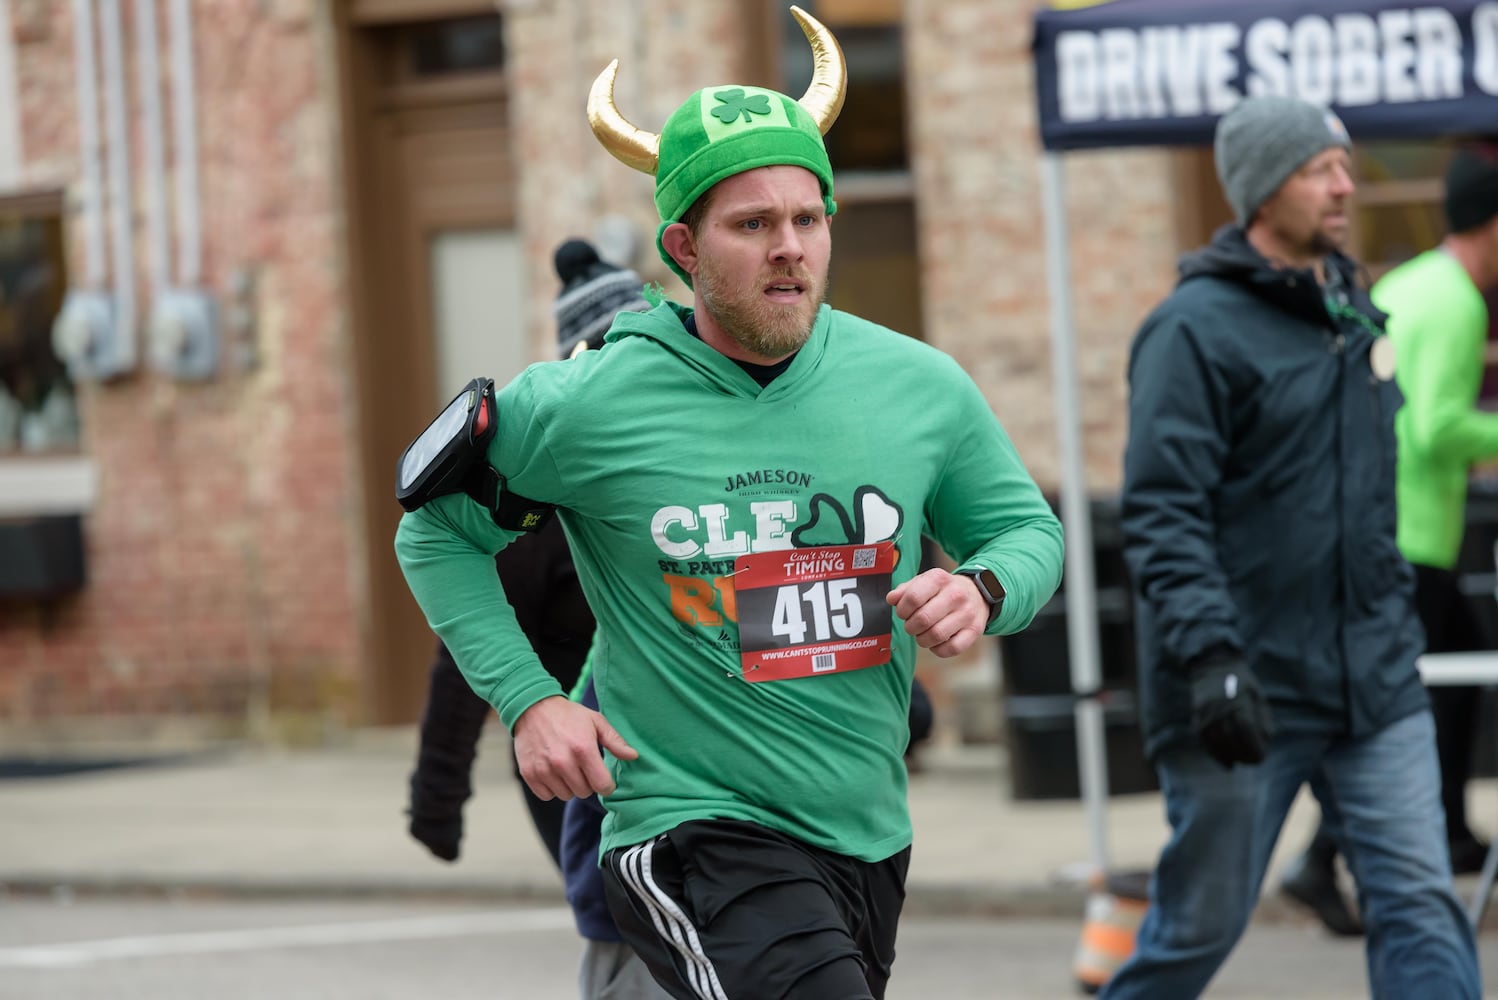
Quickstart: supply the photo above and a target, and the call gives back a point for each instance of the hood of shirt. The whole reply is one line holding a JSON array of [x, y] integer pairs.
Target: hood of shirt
[[664, 326]]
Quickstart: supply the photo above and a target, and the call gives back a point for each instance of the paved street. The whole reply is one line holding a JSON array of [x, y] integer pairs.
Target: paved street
[[263, 874], [108, 949]]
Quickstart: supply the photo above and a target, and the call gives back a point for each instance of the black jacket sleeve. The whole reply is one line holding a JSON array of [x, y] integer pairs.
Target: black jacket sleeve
[[1180, 432], [450, 730], [541, 584]]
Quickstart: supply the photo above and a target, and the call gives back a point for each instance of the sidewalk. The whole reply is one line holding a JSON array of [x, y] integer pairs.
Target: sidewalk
[[329, 822]]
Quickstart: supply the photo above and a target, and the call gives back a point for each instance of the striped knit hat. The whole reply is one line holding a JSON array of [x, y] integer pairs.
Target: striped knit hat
[[593, 291]]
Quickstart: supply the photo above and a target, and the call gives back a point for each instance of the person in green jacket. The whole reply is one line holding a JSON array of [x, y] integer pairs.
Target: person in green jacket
[[1438, 327], [744, 483]]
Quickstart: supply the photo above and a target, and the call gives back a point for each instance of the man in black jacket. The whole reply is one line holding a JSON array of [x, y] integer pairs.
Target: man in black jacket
[[1276, 623], [541, 582], [542, 586]]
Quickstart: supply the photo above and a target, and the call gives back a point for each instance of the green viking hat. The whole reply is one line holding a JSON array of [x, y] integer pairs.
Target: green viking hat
[[722, 131]]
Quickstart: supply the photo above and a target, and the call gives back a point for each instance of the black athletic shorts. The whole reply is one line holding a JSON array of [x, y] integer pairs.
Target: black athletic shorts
[[728, 910]]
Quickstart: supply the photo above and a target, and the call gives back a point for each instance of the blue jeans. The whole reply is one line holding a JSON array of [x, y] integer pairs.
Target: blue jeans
[[1384, 790]]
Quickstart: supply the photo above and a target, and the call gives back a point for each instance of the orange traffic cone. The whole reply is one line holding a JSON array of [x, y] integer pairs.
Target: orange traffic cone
[[1115, 907]]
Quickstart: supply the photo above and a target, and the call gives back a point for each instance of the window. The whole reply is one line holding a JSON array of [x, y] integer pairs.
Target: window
[[1398, 203], [461, 45], [37, 410], [870, 132], [442, 52], [876, 268]]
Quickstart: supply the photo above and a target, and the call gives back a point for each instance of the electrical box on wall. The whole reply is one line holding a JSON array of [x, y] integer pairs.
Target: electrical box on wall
[[184, 334], [89, 338], [42, 558]]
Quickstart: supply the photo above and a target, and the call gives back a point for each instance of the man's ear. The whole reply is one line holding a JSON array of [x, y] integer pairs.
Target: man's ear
[[677, 239]]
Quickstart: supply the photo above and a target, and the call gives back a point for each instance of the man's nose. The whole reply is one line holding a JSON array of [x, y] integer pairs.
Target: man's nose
[[1342, 183], [787, 245]]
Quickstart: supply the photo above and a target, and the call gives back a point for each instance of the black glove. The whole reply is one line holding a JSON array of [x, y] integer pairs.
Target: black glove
[[442, 782], [1228, 710], [436, 809], [440, 835]]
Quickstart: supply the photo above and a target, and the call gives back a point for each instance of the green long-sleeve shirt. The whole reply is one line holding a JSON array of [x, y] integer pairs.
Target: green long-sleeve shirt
[[702, 510], [1438, 323]]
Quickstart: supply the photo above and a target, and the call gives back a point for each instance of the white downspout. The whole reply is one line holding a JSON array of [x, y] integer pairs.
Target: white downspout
[[119, 186], [88, 142], [185, 143], [184, 322], [148, 72], [85, 331]]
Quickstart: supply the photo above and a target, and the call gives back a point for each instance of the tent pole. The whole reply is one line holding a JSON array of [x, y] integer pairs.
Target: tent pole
[[1076, 519]]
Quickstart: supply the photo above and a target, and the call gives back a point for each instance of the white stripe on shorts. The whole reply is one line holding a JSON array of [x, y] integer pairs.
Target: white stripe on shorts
[[671, 923]]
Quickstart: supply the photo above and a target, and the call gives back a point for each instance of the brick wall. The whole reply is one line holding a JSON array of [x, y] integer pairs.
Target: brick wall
[[666, 50], [224, 552], [975, 158], [977, 170], [976, 166], [976, 163], [219, 553]]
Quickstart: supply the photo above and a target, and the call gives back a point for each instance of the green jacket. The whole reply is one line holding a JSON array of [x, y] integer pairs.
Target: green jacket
[[1438, 323]]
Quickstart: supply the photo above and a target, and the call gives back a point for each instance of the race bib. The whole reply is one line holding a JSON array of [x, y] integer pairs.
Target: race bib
[[810, 612]]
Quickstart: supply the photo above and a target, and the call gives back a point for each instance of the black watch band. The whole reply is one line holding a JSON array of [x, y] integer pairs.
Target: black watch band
[[988, 586]]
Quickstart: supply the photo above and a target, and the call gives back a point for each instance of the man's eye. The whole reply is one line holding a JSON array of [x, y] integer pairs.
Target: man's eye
[[807, 220], [752, 224]]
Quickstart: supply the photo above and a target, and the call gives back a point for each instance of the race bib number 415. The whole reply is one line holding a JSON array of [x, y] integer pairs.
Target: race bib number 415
[[809, 612]]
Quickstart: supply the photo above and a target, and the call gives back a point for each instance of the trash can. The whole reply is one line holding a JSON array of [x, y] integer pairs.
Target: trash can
[[1037, 661], [1475, 565], [1038, 701], [1041, 736], [1478, 580]]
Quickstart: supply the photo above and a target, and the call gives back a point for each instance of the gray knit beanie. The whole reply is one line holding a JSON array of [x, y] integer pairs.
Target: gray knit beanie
[[593, 291], [1265, 139]]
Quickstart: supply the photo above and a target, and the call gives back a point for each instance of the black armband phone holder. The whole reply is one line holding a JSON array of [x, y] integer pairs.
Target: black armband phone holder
[[449, 457]]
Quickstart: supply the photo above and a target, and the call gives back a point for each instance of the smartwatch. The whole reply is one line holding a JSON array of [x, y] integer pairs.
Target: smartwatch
[[990, 587]]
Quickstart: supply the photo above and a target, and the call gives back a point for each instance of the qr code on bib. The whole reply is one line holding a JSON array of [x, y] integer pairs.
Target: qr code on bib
[[864, 558]]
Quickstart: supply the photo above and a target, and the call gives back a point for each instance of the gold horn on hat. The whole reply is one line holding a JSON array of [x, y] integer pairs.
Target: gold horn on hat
[[630, 144], [637, 148], [829, 77]]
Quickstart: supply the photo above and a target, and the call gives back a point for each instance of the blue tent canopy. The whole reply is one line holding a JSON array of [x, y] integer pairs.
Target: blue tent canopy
[[1161, 72]]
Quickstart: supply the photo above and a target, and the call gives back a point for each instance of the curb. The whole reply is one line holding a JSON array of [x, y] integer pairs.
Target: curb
[[934, 900]]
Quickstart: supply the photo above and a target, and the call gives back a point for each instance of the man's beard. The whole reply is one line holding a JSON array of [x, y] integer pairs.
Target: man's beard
[[1324, 243], [763, 328]]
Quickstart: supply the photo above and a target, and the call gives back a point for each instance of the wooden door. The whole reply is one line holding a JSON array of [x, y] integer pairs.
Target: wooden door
[[431, 209]]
